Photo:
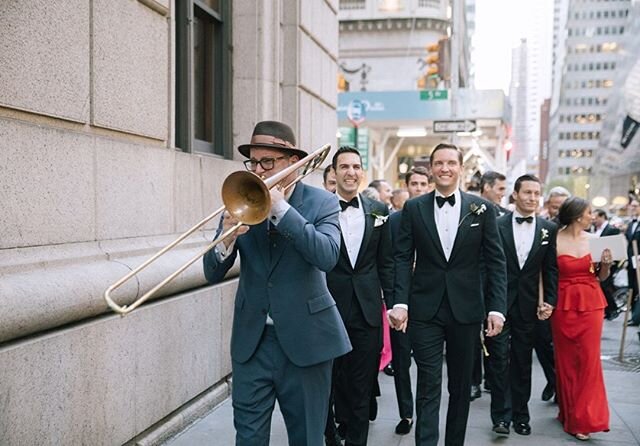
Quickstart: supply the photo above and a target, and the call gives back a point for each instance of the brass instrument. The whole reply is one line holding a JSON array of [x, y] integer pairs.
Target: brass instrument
[[246, 197]]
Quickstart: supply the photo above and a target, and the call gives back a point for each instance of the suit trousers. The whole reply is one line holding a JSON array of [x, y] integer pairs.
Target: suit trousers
[[522, 339], [427, 341], [401, 348], [543, 344], [355, 375], [302, 394], [497, 374]]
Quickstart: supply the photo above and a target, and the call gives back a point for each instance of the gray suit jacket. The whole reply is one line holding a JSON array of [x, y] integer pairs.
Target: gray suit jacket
[[282, 273]]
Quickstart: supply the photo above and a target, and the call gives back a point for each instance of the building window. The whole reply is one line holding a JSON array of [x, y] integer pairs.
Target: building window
[[353, 4], [203, 76]]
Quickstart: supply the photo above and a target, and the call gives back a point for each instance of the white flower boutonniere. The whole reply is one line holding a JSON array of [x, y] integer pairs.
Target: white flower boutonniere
[[379, 219], [475, 209], [544, 233]]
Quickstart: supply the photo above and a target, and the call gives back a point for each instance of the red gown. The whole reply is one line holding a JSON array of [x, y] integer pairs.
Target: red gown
[[577, 328]]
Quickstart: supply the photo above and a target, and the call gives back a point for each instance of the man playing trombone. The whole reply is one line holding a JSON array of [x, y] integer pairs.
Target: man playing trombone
[[286, 328]]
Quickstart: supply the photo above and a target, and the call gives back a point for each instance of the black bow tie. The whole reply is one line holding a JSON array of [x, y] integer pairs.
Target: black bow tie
[[521, 220], [353, 202], [451, 199]]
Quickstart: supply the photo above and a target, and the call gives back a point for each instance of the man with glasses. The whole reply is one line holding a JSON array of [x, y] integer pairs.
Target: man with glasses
[[286, 327]]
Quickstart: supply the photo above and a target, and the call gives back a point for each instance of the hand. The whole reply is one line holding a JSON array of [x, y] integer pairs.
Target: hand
[[398, 318], [228, 222], [606, 257], [277, 194], [494, 325], [544, 311]]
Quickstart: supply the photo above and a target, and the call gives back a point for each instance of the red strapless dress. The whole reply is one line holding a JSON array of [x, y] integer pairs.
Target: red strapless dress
[[577, 328]]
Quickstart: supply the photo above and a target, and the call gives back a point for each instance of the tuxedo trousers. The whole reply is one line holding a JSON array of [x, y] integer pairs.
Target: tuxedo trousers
[[355, 375], [427, 341], [401, 348], [497, 373], [269, 375]]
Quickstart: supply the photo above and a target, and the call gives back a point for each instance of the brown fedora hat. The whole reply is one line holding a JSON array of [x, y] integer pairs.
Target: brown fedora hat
[[274, 135]]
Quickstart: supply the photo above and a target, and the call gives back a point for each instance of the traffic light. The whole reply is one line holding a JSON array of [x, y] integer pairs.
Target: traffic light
[[438, 59], [433, 59], [343, 85]]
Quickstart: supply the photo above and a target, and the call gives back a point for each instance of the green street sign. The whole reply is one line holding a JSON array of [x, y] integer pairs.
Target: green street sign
[[434, 95]]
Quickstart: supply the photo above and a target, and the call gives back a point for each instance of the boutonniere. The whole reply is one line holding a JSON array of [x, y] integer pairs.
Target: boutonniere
[[379, 219], [544, 233], [474, 209]]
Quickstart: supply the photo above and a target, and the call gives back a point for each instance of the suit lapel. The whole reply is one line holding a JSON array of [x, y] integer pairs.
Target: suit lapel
[[426, 210], [368, 228], [278, 243], [509, 243], [536, 243]]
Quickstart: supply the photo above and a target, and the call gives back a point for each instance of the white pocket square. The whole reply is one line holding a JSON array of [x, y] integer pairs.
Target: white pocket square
[[545, 243], [473, 225]]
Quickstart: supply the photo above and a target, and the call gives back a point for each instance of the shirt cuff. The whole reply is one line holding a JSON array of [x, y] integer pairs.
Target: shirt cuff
[[277, 212], [403, 306], [222, 251], [497, 313]]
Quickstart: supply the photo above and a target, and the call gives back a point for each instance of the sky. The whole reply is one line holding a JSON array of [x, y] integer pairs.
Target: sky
[[499, 26]]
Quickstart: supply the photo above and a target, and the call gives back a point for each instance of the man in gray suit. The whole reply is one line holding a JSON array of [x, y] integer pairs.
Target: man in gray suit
[[286, 327]]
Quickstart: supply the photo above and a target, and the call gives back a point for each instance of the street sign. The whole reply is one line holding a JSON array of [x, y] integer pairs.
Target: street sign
[[454, 126], [348, 138], [357, 112], [434, 95]]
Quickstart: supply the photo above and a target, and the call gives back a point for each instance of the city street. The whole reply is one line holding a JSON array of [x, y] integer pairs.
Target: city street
[[623, 391]]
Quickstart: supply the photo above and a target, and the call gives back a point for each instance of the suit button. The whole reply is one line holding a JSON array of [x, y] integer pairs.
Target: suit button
[[270, 285], [274, 245]]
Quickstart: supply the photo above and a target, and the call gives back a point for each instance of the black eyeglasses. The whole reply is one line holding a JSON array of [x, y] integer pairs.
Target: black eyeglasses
[[265, 163]]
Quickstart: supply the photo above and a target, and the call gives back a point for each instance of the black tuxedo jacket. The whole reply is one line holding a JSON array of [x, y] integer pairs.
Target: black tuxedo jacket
[[609, 230], [630, 238], [424, 287], [523, 284], [373, 271]]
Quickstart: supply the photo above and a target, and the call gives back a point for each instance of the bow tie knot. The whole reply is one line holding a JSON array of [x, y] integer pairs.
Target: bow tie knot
[[451, 199], [353, 202], [521, 220]]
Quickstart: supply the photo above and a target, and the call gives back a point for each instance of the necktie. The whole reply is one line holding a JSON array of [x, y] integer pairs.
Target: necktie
[[521, 220], [353, 202], [451, 199]]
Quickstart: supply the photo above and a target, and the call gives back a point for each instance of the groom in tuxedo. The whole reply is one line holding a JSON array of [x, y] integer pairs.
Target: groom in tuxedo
[[365, 267], [441, 299], [529, 244]]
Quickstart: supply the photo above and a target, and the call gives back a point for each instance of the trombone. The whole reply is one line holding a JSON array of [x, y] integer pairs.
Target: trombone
[[246, 197]]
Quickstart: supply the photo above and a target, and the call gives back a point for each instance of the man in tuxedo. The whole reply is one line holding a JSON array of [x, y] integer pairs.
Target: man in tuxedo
[[529, 244], [417, 180], [543, 340], [633, 233], [602, 228], [441, 299], [493, 186], [329, 179], [286, 327], [384, 190], [365, 267]]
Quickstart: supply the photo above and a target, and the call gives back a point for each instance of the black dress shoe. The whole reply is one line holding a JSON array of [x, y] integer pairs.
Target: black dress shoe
[[388, 370], [632, 323], [475, 392], [501, 428], [333, 440], [548, 392], [522, 428], [404, 426], [342, 430], [373, 409]]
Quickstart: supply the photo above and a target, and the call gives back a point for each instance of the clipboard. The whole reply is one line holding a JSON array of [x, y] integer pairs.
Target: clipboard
[[617, 244]]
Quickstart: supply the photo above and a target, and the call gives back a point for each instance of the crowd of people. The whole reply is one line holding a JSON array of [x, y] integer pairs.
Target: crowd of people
[[449, 275]]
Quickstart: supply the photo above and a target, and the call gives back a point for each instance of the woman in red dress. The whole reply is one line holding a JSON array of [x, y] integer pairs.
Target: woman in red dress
[[577, 325]]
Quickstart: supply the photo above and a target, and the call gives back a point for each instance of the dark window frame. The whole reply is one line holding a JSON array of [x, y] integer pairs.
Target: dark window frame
[[220, 78]]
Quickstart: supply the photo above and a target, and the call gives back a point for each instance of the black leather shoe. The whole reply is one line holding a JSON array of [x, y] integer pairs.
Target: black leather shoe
[[548, 392], [522, 428], [404, 426], [342, 430], [501, 428], [388, 370], [333, 440], [632, 324], [475, 392]]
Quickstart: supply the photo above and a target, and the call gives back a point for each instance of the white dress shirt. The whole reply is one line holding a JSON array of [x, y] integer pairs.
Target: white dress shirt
[[598, 231], [352, 227], [447, 220], [523, 235]]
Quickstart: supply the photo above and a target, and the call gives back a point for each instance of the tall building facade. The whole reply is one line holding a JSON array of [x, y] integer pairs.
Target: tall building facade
[[518, 96], [118, 123], [592, 54]]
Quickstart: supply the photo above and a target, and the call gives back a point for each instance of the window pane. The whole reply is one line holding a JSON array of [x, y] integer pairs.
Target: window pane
[[202, 75], [213, 4]]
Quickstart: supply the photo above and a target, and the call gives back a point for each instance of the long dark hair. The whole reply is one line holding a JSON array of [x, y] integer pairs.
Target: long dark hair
[[571, 210]]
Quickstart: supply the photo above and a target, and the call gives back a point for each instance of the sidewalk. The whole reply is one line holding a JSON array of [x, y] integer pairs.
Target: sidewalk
[[623, 391]]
